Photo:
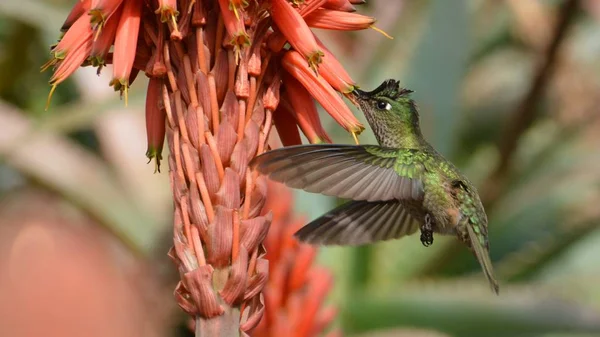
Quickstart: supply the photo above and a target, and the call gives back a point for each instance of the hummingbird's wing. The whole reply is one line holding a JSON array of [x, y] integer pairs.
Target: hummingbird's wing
[[360, 222], [368, 172]]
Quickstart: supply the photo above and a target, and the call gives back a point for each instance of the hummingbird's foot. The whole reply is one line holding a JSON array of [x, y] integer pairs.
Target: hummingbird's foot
[[427, 231]]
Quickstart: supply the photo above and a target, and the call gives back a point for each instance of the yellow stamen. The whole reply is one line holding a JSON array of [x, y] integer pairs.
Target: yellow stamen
[[235, 11], [125, 92], [174, 23], [355, 136], [50, 97], [382, 32]]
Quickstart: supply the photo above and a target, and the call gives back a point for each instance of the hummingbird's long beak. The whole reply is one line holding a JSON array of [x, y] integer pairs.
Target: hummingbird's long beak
[[356, 96]]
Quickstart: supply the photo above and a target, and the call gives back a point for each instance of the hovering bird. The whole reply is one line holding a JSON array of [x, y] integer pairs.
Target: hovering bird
[[401, 186]]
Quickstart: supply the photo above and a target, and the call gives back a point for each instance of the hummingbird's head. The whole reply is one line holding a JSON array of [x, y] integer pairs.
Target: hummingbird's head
[[389, 109]]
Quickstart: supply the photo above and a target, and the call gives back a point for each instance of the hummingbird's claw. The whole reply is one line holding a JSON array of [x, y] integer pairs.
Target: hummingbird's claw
[[427, 232], [355, 136]]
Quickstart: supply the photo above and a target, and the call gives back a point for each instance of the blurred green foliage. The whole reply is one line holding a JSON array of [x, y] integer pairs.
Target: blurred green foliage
[[470, 63]]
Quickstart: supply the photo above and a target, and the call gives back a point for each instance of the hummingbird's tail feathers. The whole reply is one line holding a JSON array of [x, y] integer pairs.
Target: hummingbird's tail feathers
[[344, 171], [483, 256], [358, 223]]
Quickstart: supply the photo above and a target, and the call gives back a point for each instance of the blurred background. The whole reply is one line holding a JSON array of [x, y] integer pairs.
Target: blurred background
[[507, 89]]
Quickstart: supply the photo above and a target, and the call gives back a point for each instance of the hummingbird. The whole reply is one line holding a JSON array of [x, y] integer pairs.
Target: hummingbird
[[397, 187]]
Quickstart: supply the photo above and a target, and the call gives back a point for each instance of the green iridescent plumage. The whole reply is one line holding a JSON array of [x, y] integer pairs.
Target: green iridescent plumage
[[397, 188]]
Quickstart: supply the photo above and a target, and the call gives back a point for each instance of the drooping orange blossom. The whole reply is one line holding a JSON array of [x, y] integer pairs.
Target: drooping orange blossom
[[221, 75]]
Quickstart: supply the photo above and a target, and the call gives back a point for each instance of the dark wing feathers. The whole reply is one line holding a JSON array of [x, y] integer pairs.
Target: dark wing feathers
[[360, 222], [344, 171]]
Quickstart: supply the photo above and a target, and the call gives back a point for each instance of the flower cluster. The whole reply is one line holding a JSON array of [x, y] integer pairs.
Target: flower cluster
[[221, 74], [296, 288]]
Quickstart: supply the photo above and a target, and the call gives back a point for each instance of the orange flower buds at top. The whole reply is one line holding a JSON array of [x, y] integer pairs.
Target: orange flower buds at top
[[155, 121], [333, 71], [292, 26], [235, 27], [81, 7], [101, 10], [318, 87], [125, 45], [338, 20], [340, 5]]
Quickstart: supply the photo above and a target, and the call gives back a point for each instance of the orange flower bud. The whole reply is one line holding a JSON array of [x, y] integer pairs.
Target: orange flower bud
[[101, 10], [340, 5], [318, 87], [292, 26], [155, 121], [338, 20], [333, 71], [125, 45], [81, 7]]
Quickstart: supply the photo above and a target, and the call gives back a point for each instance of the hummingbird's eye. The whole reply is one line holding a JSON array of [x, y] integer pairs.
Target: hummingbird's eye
[[383, 105]]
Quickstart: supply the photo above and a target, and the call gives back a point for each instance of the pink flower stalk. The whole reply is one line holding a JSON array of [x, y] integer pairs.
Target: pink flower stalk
[[220, 81]]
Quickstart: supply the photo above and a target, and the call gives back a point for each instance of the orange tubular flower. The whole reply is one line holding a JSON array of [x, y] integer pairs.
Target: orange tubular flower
[[69, 53], [101, 10], [294, 28], [286, 126], [216, 107], [168, 14], [104, 41], [301, 106], [234, 24], [339, 5], [340, 20], [155, 121], [322, 92], [237, 5], [125, 45], [81, 7], [297, 288], [333, 71]]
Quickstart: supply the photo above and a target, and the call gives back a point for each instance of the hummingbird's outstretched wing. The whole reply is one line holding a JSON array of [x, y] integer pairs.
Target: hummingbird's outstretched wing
[[360, 222], [370, 172]]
